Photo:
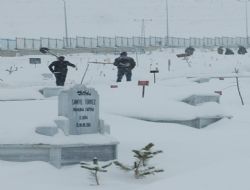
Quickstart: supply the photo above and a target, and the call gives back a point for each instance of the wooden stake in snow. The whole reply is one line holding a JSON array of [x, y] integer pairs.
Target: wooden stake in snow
[[238, 86], [85, 72], [154, 72], [169, 64]]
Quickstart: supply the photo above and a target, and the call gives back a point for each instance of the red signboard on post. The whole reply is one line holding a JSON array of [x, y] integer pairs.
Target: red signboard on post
[[113, 86], [143, 83]]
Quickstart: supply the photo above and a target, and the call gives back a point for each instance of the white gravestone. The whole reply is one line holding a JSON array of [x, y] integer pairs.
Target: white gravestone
[[80, 105]]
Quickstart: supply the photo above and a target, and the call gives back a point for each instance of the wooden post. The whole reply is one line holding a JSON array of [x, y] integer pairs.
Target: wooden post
[[143, 91], [154, 71], [169, 64]]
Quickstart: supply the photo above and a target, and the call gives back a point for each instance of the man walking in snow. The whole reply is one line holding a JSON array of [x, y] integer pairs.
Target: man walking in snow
[[60, 68], [125, 66]]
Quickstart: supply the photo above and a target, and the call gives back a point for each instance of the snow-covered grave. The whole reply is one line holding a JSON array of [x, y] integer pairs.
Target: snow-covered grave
[[50, 91], [86, 136]]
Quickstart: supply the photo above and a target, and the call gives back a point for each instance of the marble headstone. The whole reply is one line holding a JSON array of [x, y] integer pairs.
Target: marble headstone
[[81, 106]]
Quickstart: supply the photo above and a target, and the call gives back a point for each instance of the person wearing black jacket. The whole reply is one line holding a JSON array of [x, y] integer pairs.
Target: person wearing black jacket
[[60, 68], [125, 66]]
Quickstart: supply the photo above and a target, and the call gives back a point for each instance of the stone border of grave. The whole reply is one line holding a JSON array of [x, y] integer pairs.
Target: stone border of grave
[[195, 100], [202, 80], [199, 79], [58, 155], [198, 123]]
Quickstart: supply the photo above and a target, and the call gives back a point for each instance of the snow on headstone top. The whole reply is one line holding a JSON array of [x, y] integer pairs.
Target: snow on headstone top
[[81, 106]]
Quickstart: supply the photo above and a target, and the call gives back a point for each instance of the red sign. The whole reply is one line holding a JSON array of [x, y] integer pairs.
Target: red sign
[[143, 83], [113, 86]]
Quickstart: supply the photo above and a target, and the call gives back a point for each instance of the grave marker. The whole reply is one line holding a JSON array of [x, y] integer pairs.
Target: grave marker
[[81, 106], [113, 86]]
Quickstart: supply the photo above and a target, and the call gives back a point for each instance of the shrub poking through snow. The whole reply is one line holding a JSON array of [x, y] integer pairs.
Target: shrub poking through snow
[[12, 69], [140, 166], [95, 168]]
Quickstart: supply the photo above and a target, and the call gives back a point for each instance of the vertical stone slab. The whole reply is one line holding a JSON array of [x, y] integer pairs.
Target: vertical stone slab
[[55, 156], [81, 106]]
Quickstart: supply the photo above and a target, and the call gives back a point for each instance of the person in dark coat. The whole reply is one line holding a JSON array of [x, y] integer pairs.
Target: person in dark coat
[[60, 68], [189, 51], [125, 65]]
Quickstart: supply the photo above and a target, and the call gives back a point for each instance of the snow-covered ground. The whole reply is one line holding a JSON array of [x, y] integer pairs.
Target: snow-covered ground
[[215, 157]]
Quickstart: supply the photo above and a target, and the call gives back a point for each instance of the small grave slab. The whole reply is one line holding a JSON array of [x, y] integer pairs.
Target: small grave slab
[[51, 91], [202, 80], [199, 99], [48, 131]]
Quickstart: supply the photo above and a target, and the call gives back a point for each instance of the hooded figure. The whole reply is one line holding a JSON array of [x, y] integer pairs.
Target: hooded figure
[[124, 65], [60, 68]]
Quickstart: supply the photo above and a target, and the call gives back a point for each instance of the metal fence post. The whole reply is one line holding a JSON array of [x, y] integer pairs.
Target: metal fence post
[[8, 44], [48, 42]]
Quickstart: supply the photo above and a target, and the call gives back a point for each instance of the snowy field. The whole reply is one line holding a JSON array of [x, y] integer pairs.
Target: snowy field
[[215, 157]]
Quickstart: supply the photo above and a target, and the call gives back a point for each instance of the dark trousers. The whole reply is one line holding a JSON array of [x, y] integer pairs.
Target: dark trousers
[[60, 78], [122, 72]]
